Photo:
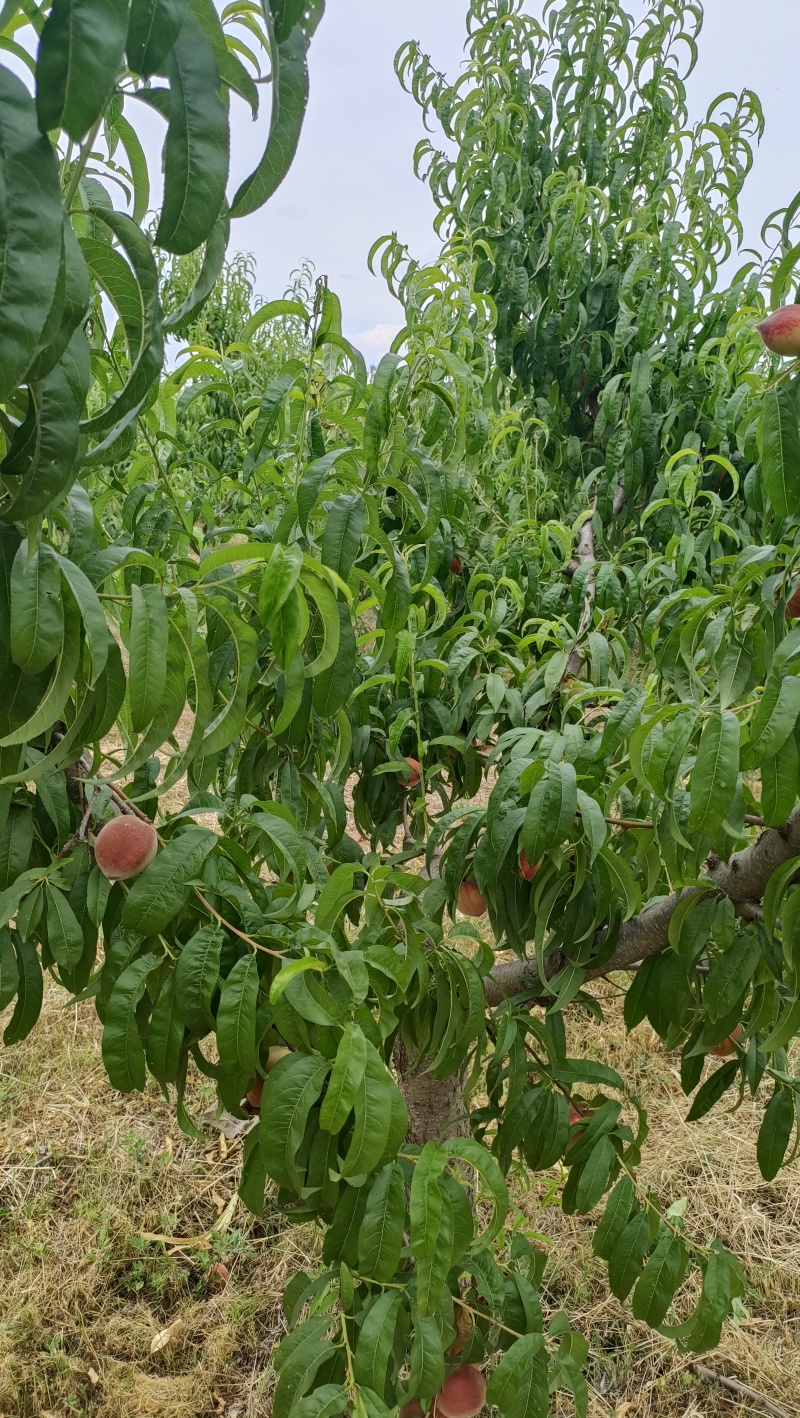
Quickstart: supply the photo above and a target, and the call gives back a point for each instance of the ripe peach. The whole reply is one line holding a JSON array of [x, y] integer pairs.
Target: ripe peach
[[218, 1274], [456, 566], [526, 871], [727, 1048], [462, 1394], [414, 775], [793, 604], [577, 1114], [471, 901], [412, 1410], [781, 330], [124, 847], [276, 1053]]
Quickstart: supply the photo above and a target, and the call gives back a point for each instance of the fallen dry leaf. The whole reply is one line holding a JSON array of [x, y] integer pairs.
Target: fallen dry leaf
[[94, 1377], [165, 1336]]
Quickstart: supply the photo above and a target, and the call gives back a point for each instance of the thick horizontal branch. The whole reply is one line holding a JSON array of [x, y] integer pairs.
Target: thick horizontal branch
[[743, 879]]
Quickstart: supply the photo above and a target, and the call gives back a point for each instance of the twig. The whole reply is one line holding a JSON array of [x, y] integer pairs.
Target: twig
[[234, 929], [736, 1387]]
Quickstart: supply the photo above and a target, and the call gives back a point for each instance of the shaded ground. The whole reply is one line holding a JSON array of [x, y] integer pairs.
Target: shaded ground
[[85, 1299]]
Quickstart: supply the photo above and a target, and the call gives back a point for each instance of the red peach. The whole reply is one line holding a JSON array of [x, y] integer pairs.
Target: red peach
[[462, 1394], [471, 901], [414, 775], [781, 330], [727, 1048], [456, 566], [124, 847], [526, 871], [793, 604], [275, 1054]]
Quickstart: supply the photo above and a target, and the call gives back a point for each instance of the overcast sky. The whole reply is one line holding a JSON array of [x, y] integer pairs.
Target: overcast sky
[[353, 181]]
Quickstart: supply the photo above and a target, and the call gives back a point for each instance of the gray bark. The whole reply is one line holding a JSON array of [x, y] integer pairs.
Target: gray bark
[[435, 1105], [744, 879]]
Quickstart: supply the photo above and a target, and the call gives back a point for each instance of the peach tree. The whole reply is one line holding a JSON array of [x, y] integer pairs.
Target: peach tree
[[281, 619]]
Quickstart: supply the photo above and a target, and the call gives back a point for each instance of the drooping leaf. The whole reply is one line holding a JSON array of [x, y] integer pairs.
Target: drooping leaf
[[123, 1050], [160, 892], [196, 151], [80, 53]]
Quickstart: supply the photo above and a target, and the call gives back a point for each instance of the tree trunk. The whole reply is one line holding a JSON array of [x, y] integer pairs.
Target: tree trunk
[[435, 1106]]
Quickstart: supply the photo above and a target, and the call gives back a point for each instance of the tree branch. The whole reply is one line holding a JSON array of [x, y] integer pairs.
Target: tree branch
[[743, 879], [585, 556]]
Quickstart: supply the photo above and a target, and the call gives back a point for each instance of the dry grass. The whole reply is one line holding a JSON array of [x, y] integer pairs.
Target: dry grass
[[83, 1172]]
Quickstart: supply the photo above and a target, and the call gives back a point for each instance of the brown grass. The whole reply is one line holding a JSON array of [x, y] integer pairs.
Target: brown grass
[[84, 1171]]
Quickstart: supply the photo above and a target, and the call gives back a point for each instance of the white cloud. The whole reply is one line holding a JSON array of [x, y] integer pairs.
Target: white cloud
[[375, 343]]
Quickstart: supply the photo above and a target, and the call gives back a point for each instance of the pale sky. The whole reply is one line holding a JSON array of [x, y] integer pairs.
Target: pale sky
[[353, 179]]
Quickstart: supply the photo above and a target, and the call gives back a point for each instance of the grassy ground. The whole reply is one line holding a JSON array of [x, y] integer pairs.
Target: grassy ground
[[96, 1320]]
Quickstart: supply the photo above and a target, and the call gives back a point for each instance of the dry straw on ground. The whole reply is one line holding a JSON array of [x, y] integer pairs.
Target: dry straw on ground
[[85, 1172]]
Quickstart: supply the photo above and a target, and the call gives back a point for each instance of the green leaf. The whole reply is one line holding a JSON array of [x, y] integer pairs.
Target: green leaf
[[775, 1133], [290, 1092], [730, 974], [80, 52], [213, 263], [621, 721], [9, 974], [371, 1362], [615, 1218], [30, 992], [425, 1207], [548, 1133], [780, 784], [656, 1286], [16, 840], [551, 810], [780, 452], [30, 231], [468, 1150], [122, 1048], [593, 1179], [345, 1080], [147, 648], [153, 27], [712, 1090], [160, 892], [376, 1098], [196, 151], [37, 611], [506, 1385], [165, 1035], [196, 978], [336, 895], [594, 823], [625, 1261], [344, 527], [94, 621], [298, 1374], [427, 1358], [137, 166], [236, 1018], [289, 99], [64, 933], [380, 1236], [716, 772], [290, 972], [279, 580], [772, 721]]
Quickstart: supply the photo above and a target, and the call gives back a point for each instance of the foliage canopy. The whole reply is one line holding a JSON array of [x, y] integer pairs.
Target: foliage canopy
[[544, 549]]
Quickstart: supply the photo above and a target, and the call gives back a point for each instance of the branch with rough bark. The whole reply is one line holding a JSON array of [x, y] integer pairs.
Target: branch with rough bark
[[743, 879], [585, 557]]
